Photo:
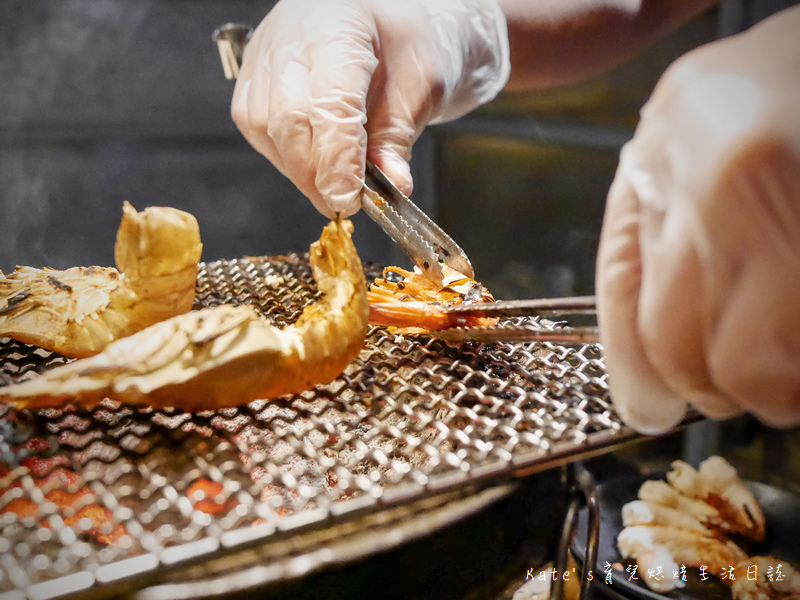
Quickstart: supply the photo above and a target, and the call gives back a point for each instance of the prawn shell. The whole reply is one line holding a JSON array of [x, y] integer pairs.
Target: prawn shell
[[79, 311], [227, 355], [409, 303]]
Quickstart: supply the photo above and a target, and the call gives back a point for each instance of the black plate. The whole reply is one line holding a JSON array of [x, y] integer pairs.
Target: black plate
[[781, 510]]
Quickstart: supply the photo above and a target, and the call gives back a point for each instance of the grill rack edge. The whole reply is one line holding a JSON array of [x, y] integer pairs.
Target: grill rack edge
[[411, 419]]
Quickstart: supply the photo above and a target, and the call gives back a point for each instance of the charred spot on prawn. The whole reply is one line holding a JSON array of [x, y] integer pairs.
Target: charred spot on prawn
[[17, 298], [60, 285], [13, 302]]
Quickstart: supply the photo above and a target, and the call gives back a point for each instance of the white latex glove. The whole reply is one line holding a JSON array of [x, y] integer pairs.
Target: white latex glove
[[324, 84], [698, 275]]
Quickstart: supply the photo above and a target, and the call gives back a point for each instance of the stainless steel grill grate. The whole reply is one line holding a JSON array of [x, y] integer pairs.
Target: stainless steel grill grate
[[92, 498]]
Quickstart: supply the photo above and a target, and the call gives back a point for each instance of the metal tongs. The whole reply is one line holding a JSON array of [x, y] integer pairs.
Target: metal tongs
[[531, 330], [422, 240], [429, 247]]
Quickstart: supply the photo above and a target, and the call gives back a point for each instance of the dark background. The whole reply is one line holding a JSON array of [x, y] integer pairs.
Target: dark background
[[103, 101]]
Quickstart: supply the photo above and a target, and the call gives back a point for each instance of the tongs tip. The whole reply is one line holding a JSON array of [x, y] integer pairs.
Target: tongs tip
[[411, 229], [424, 242]]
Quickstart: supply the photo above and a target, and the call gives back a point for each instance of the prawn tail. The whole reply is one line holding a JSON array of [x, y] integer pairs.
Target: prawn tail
[[328, 335]]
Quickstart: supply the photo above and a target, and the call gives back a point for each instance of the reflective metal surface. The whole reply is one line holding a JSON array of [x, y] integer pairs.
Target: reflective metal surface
[[422, 240], [109, 499]]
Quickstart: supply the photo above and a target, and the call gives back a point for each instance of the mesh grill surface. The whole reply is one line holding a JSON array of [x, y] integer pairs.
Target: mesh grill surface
[[82, 490]]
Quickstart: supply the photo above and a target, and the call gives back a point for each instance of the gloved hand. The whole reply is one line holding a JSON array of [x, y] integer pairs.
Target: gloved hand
[[325, 84], [698, 274]]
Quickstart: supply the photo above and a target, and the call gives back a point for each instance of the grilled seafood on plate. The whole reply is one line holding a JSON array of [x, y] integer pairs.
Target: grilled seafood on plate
[[224, 356], [769, 578], [79, 311], [687, 520], [411, 302], [668, 546], [717, 483], [661, 496]]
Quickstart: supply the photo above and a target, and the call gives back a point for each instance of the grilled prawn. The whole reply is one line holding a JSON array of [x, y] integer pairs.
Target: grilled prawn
[[79, 311], [687, 519], [665, 546], [717, 483], [411, 302], [224, 356]]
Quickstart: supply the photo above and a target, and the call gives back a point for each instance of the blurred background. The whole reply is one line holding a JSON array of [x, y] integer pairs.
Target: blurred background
[[103, 101], [110, 100]]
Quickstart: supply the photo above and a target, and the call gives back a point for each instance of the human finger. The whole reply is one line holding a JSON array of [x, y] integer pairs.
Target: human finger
[[338, 86], [754, 344], [640, 395], [673, 309]]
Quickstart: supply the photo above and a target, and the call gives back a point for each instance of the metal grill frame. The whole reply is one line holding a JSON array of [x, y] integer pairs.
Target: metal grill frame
[[549, 403]]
